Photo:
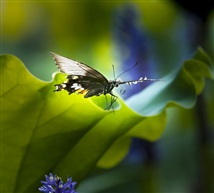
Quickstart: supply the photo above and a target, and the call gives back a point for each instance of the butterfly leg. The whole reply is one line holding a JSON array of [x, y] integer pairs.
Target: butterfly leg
[[113, 100], [106, 101]]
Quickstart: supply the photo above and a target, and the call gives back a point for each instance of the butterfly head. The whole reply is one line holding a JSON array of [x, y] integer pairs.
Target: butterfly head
[[114, 83]]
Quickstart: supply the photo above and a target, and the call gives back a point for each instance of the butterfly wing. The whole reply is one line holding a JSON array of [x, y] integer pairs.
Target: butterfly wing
[[75, 68], [82, 79]]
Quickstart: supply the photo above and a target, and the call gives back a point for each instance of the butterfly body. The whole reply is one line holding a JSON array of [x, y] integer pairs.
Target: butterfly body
[[86, 85]]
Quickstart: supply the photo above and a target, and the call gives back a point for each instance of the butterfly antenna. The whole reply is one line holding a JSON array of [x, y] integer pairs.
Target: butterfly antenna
[[113, 71], [126, 71]]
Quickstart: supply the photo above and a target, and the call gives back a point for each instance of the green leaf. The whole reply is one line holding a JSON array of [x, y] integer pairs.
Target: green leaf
[[69, 135]]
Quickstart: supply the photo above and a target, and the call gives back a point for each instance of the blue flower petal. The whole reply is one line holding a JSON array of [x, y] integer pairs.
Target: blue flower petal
[[54, 184]]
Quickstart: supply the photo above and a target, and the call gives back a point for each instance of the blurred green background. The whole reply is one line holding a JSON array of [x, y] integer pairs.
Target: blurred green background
[[102, 33]]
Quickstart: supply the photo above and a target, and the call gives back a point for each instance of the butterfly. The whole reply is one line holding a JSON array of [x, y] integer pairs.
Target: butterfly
[[83, 79]]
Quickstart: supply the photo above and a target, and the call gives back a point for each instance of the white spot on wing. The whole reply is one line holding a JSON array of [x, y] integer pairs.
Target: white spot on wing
[[74, 77], [77, 87]]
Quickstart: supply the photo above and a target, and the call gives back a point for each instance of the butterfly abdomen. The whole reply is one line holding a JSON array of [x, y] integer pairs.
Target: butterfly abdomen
[[94, 90]]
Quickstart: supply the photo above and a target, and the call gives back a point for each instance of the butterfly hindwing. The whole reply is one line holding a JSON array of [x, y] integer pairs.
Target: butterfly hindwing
[[84, 85]]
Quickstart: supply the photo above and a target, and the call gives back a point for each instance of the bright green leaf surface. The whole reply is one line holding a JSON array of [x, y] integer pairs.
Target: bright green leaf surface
[[66, 134]]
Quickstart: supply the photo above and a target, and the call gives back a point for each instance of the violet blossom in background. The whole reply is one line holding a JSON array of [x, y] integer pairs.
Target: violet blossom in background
[[132, 46], [54, 184]]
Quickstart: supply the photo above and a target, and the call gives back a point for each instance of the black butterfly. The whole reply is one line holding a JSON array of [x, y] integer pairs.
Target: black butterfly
[[83, 79]]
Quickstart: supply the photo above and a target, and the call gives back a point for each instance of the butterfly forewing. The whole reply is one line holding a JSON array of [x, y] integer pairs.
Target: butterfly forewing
[[75, 68]]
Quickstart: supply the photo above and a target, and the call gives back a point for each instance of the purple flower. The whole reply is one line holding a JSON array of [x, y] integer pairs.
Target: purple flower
[[54, 184]]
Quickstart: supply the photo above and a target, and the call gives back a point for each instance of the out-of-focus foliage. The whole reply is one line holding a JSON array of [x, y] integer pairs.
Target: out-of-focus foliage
[[81, 30], [102, 33]]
